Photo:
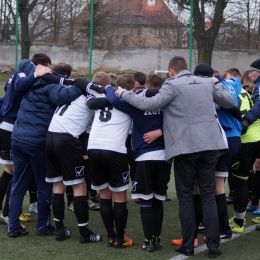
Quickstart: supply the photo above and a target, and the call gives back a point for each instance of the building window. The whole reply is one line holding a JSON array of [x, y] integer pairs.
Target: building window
[[156, 32], [151, 2]]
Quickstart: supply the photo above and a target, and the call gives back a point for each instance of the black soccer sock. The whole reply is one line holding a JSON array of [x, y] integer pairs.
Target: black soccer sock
[[120, 218], [4, 181], [82, 215], [221, 207], [158, 213], [69, 194], [146, 212], [231, 184], [32, 190], [240, 201], [198, 211], [106, 212], [7, 198], [256, 189], [58, 207]]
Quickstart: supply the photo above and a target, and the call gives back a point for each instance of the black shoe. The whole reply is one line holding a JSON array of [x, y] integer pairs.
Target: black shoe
[[62, 234], [230, 200], [93, 237], [18, 232], [187, 252], [157, 243], [111, 239], [201, 228], [95, 198], [49, 232], [214, 252], [257, 227], [92, 205], [224, 235], [148, 245]]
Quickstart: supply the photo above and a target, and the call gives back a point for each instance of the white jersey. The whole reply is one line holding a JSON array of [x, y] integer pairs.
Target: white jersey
[[109, 130], [72, 118]]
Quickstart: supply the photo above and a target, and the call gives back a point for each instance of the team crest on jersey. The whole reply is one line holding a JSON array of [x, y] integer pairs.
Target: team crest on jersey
[[125, 176], [134, 185], [79, 171]]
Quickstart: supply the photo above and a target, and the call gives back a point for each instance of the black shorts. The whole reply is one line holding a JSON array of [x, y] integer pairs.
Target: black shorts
[[64, 159], [221, 166], [6, 155], [83, 138], [243, 165], [150, 180], [108, 169]]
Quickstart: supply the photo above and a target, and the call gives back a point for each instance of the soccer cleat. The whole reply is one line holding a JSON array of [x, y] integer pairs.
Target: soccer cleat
[[92, 205], [257, 211], [231, 222], [256, 220], [24, 218], [70, 207], [49, 232], [93, 237], [157, 243], [148, 245], [178, 242], [251, 208], [229, 200], [111, 239], [214, 253], [224, 235], [126, 243], [33, 208], [18, 232], [3, 220], [236, 229], [62, 234], [95, 198]]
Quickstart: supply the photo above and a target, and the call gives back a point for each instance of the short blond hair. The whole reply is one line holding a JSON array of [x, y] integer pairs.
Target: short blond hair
[[101, 78]]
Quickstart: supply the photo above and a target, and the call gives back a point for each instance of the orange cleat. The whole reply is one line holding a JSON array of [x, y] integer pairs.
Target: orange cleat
[[178, 242]]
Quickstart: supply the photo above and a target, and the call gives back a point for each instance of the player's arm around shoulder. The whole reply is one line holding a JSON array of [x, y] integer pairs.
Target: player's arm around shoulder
[[221, 95]]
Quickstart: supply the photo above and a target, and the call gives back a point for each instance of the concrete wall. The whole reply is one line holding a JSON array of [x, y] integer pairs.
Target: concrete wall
[[130, 60]]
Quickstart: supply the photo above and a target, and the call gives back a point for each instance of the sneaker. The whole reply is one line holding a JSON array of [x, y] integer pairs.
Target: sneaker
[[167, 198], [62, 234], [157, 243], [256, 220], [126, 243], [25, 218], [95, 198], [3, 220], [71, 206], [178, 242], [251, 208], [224, 236], [148, 245], [33, 208], [92, 205], [49, 232], [229, 200], [19, 232], [201, 228], [93, 237], [257, 211], [237, 229]]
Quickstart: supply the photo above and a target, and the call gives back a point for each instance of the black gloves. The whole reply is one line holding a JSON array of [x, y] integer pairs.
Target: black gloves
[[245, 124]]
